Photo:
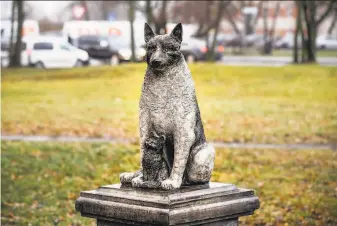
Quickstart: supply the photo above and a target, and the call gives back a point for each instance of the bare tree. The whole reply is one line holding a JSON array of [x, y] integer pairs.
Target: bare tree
[[160, 19], [312, 21], [269, 32], [16, 58], [298, 29], [231, 11], [131, 19], [149, 13], [234, 16], [202, 12], [156, 14], [221, 8], [11, 40], [333, 22]]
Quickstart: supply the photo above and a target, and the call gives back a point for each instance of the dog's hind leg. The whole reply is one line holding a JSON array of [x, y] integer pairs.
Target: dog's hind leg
[[200, 164]]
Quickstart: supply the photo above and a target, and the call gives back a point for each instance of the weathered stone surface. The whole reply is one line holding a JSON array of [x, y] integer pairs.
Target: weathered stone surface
[[211, 204], [169, 120]]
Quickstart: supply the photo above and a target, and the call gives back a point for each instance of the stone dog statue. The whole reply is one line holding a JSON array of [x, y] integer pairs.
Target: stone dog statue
[[169, 107]]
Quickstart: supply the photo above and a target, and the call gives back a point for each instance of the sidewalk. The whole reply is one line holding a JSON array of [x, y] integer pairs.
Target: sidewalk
[[271, 60]]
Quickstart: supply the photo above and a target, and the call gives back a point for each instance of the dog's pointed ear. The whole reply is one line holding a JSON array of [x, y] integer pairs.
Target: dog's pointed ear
[[148, 32], [177, 32]]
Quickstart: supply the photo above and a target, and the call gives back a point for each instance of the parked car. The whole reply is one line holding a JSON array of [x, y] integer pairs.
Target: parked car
[[237, 40], [122, 45], [51, 52], [326, 42], [195, 49], [287, 41], [97, 46], [112, 49], [224, 39]]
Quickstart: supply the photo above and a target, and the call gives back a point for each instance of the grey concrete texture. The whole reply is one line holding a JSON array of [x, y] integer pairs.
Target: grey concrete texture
[[173, 146], [207, 204]]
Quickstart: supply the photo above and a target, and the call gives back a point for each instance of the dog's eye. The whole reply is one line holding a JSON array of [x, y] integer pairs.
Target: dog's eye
[[152, 47], [169, 48]]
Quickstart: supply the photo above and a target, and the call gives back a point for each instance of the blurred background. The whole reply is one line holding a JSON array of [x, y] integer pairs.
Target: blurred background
[[265, 76], [213, 30]]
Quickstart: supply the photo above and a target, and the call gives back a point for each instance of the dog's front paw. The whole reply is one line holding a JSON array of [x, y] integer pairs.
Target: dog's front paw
[[126, 178], [170, 184], [137, 182]]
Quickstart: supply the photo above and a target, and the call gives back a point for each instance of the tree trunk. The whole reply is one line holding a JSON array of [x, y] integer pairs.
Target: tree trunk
[[265, 29], [298, 22], [333, 23], [205, 27], [236, 30], [272, 31], [149, 13], [232, 22], [309, 15], [17, 48], [308, 24], [313, 29], [160, 22], [131, 19], [259, 9], [207, 12], [211, 55], [304, 53], [11, 40]]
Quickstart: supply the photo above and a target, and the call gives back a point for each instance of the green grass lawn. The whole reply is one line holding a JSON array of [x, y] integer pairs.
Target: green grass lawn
[[41, 181], [291, 104]]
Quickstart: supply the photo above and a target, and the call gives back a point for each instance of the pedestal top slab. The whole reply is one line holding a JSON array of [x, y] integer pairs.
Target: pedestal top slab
[[198, 203]]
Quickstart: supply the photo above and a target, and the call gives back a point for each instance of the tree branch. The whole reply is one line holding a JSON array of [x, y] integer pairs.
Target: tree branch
[[202, 32], [277, 11], [332, 25], [327, 12], [231, 21], [259, 8]]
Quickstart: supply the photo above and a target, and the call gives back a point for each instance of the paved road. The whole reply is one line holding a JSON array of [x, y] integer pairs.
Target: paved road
[[270, 60]]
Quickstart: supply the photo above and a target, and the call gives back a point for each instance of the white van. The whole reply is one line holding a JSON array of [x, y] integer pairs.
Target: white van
[[72, 30], [49, 52]]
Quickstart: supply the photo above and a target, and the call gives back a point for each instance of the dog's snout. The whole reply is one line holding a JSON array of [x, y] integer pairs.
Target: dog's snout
[[156, 63]]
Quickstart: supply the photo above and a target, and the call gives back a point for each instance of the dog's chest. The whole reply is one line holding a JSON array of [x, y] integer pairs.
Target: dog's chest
[[166, 94], [167, 99]]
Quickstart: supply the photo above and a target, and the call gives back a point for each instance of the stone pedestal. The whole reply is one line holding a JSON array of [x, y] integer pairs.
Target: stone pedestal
[[211, 204]]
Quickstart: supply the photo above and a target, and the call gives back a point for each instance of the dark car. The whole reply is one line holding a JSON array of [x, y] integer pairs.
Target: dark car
[[195, 49], [111, 49], [122, 45], [97, 46]]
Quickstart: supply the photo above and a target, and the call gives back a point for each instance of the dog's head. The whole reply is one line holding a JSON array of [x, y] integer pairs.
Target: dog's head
[[155, 143], [163, 50]]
